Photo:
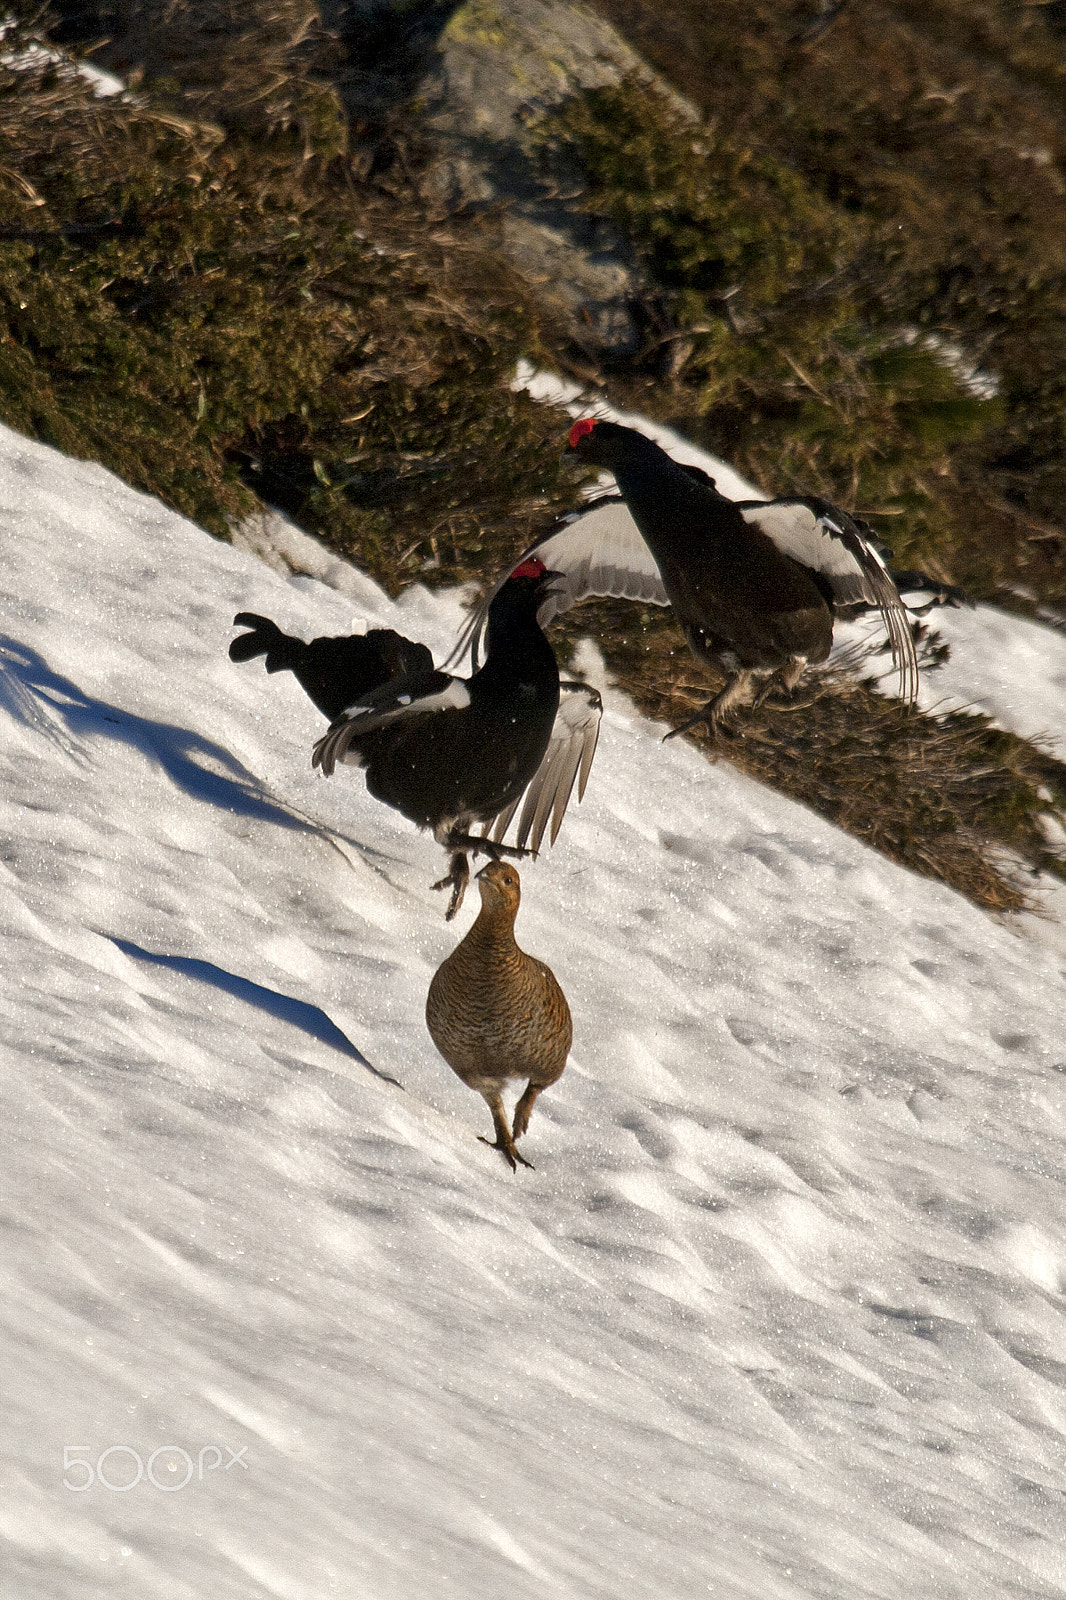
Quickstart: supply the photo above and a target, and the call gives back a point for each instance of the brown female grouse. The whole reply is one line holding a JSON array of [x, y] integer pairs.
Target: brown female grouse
[[495, 1013]]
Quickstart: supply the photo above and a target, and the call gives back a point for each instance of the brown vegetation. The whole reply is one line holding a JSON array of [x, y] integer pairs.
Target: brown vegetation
[[938, 129], [948, 794]]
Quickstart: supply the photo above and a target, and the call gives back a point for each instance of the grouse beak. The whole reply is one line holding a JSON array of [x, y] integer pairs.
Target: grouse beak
[[484, 880], [498, 881], [560, 587]]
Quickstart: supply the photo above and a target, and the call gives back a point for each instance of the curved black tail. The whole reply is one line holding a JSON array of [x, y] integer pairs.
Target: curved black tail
[[333, 672]]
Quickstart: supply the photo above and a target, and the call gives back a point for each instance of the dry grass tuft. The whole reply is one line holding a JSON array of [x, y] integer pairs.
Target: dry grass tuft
[[948, 795]]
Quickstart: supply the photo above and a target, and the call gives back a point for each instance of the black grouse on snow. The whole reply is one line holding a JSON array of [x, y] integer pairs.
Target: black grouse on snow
[[451, 752], [333, 672], [755, 584]]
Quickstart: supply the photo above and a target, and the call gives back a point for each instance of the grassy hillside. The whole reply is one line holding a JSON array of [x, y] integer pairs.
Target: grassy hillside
[[229, 295], [227, 308], [937, 133]]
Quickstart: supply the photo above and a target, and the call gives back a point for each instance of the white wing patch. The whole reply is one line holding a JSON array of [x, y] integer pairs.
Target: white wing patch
[[452, 694], [568, 757], [814, 542], [454, 697], [596, 552], [828, 541], [600, 552]]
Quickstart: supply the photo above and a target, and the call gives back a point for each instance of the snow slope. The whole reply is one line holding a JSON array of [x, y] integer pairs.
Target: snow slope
[[780, 1312]]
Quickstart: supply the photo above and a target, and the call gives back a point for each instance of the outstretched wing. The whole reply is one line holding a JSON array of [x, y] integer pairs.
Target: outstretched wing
[[600, 552], [595, 552], [569, 755], [400, 700], [826, 540]]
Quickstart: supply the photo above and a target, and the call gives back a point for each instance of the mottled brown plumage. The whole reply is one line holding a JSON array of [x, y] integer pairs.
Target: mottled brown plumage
[[495, 1013]]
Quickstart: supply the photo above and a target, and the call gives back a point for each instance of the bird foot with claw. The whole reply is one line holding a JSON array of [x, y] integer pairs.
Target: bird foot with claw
[[458, 890], [715, 729], [489, 847], [509, 1152], [456, 880], [477, 844]]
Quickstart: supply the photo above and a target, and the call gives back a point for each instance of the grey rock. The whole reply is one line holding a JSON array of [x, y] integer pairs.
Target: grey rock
[[472, 77]]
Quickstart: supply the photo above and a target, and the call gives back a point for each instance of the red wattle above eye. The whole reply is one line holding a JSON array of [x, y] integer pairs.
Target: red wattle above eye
[[579, 430], [533, 568]]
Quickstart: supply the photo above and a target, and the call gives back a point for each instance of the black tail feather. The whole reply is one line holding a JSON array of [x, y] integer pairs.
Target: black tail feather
[[333, 672], [266, 638]]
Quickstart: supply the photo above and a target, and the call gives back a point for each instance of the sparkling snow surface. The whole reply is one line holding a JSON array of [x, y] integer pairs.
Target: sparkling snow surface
[[781, 1311]]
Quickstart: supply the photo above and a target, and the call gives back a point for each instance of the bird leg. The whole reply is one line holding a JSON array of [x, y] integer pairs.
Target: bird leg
[[523, 1110], [716, 708], [489, 847], [504, 1139], [458, 878], [459, 874], [787, 676]]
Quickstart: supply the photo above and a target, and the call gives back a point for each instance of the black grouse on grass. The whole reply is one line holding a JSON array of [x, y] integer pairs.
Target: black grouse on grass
[[452, 752], [755, 585]]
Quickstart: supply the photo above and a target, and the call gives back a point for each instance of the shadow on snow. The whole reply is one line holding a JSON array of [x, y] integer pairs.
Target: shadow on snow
[[309, 1019], [36, 696]]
